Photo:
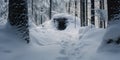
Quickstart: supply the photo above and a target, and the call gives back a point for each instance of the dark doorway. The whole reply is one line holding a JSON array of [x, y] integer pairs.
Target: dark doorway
[[62, 23]]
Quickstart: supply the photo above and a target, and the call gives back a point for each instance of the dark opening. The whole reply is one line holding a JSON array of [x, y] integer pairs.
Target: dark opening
[[61, 23]]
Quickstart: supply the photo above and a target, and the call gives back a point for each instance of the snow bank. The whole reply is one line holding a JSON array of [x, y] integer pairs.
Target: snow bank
[[72, 24], [14, 48], [45, 42], [111, 40]]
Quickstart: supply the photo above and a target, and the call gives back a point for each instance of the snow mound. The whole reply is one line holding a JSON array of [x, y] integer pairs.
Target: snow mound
[[111, 40], [72, 24]]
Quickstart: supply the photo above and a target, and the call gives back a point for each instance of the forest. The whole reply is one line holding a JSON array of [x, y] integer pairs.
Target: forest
[[59, 29]]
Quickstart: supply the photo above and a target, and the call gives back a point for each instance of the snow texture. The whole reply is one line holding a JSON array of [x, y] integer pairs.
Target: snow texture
[[48, 43]]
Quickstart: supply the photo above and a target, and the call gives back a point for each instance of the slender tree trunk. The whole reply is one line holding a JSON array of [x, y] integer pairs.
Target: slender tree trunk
[[75, 11], [93, 12], [18, 17], [102, 20], [82, 12], [69, 7], [86, 12], [50, 11], [32, 6]]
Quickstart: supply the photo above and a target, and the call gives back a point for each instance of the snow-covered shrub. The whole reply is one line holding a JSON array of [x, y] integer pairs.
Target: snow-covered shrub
[[111, 40], [115, 20]]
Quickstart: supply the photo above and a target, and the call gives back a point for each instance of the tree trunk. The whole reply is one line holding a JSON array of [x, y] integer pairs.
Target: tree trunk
[[86, 12], [69, 7], [75, 11], [102, 19], [18, 17], [32, 6], [93, 12], [50, 11], [83, 12]]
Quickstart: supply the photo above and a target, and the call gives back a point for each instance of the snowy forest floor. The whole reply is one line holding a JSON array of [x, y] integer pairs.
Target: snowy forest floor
[[49, 44]]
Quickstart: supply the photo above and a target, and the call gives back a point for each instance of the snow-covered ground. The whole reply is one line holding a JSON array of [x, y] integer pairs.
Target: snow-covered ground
[[48, 43]]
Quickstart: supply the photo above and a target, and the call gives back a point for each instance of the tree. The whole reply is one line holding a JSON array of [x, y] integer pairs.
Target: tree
[[50, 11], [86, 12], [69, 6], [93, 12], [18, 17], [83, 12], [32, 3], [75, 11], [101, 23]]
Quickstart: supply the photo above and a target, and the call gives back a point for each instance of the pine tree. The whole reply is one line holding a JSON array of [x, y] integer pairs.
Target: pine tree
[[18, 17]]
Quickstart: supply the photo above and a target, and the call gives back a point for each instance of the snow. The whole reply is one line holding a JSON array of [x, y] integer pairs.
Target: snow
[[13, 48], [71, 26], [48, 43], [45, 43], [113, 32]]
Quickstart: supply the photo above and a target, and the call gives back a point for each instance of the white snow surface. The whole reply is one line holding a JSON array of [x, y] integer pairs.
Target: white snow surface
[[47, 43]]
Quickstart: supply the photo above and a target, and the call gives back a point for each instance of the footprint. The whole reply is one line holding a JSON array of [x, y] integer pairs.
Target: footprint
[[62, 58], [7, 51]]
